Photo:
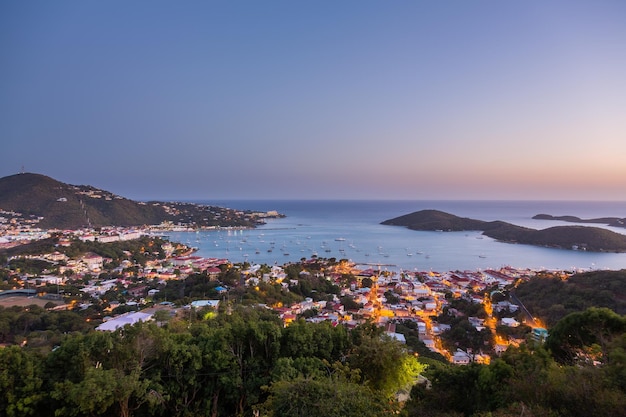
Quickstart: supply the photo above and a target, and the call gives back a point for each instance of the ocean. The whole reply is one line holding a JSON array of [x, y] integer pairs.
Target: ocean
[[349, 229]]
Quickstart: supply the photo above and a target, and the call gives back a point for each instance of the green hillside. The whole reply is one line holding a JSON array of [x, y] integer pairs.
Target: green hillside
[[65, 206], [552, 298]]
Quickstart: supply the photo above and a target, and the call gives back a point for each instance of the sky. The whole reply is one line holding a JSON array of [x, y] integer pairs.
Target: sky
[[352, 99]]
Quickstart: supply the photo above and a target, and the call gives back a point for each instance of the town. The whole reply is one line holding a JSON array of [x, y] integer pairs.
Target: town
[[117, 276], [163, 331]]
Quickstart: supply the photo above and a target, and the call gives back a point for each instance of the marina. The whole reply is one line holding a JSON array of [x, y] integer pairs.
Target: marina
[[352, 231]]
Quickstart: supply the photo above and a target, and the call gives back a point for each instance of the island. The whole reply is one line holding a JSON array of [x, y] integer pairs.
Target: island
[[594, 239], [609, 221]]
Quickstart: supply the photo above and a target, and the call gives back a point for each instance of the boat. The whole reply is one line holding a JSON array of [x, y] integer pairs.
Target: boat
[[340, 239]]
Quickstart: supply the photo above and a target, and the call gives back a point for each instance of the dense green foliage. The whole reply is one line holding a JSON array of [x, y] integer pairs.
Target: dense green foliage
[[525, 382], [586, 337], [226, 365], [552, 298], [243, 359], [232, 364]]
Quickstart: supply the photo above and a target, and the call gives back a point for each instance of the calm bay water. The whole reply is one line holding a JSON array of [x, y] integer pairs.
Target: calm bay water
[[352, 230]]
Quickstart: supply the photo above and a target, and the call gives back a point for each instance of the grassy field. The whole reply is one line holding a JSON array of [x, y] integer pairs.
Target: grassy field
[[23, 301]]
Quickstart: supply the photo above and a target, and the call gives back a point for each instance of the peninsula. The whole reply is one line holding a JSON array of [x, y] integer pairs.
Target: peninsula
[[593, 239], [42, 202]]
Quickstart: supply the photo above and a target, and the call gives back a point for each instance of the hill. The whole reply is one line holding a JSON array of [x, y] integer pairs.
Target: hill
[[552, 298], [566, 237], [52, 204], [435, 220]]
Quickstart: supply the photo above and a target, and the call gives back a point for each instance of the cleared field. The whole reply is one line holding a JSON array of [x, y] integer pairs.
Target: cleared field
[[23, 301]]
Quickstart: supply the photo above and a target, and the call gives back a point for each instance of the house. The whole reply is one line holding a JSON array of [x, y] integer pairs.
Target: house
[[539, 334], [93, 262], [57, 257], [505, 305], [430, 304], [288, 318], [108, 238], [500, 348], [213, 272], [205, 303], [510, 322], [461, 358], [138, 291], [430, 344], [396, 336]]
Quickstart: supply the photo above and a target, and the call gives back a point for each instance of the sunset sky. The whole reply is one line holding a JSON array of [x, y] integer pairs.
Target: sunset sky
[[318, 99]]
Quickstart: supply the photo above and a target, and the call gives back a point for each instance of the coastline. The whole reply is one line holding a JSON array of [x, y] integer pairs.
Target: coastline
[[311, 224]]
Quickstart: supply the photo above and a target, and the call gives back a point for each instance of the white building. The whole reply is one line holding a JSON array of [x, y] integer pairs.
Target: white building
[[461, 358], [123, 320]]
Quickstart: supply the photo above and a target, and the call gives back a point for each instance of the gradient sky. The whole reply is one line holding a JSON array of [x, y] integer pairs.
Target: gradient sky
[[318, 99]]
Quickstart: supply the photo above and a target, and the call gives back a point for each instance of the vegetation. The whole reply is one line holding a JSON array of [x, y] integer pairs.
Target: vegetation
[[552, 298], [229, 364], [232, 364]]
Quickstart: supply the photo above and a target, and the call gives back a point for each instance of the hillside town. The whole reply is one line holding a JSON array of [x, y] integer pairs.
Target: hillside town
[[119, 307], [113, 291]]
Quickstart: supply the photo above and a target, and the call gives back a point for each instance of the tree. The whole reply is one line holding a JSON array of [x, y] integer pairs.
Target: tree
[[322, 340], [585, 337], [114, 362], [161, 316], [303, 397], [367, 282], [244, 346], [20, 382], [349, 303], [384, 363], [391, 297]]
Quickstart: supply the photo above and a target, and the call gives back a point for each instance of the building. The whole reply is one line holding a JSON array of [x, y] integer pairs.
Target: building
[[510, 322], [461, 358], [205, 303], [123, 320], [539, 334]]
